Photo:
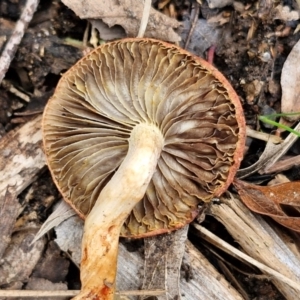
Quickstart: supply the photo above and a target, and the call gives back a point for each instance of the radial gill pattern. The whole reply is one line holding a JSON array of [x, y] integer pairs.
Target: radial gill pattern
[[98, 102]]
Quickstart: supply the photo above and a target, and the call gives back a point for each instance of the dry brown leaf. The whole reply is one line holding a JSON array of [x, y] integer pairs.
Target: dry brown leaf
[[128, 14], [290, 79], [268, 200]]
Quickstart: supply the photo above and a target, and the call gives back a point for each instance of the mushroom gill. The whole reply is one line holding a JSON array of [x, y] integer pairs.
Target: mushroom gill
[[144, 83]]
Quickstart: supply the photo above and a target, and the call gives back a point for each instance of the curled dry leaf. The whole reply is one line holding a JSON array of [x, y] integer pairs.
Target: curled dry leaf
[[269, 200], [127, 14], [290, 79]]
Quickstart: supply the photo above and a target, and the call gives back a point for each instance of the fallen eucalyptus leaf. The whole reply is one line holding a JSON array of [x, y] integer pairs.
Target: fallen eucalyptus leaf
[[62, 211], [290, 78], [268, 200]]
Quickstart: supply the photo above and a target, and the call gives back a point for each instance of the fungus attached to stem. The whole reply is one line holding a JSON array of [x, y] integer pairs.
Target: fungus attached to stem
[[117, 199], [137, 134]]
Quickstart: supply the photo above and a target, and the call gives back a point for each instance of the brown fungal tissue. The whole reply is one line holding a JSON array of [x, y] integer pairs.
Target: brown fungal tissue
[[137, 134]]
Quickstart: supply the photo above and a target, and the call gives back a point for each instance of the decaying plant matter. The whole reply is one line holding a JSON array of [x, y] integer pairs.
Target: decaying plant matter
[[137, 134]]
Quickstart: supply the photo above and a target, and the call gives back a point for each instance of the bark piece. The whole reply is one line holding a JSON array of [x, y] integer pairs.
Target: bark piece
[[205, 282], [163, 258], [260, 242], [21, 158], [53, 266], [20, 258]]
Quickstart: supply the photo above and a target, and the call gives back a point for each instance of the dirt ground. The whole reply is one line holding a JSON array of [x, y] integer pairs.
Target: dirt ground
[[248, 41]]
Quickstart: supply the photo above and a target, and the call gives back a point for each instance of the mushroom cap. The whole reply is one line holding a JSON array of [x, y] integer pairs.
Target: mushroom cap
[[87, 123]]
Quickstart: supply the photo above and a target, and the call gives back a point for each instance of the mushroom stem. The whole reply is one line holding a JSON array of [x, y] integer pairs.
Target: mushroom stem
[[103, 224]]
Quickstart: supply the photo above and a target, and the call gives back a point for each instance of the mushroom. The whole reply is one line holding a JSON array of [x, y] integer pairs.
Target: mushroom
[[137, 134]]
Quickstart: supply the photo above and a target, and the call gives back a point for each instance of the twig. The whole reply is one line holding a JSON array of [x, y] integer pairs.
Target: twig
[[16, 37], [236, 253], [145, 18], [71, 293], [8, 86], [193, 25], [271, 155], [284, 165], [263, 136]]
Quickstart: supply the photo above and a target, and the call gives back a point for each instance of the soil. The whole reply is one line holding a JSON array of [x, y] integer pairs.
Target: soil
[[251, 47]]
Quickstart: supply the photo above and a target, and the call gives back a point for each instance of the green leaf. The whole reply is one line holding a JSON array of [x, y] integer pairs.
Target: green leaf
[[268, 120]]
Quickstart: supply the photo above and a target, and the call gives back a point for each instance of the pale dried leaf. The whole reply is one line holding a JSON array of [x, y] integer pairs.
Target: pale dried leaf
[[68, 237], [290, 78], [107, 33], [219, 3], [284, 13], [128, 14], [278, 179], [62, 211]]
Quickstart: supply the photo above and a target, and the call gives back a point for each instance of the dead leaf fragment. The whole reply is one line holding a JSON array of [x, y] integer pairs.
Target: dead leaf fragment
[[107, 33], [290, 79], [128, 14], [285, 14], [218, 3], [252, 90], [204, 36], [269, 200]]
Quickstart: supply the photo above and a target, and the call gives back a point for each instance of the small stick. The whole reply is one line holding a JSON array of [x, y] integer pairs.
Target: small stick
[[145, 18], [263, 136], [193, 25], [238, 254], [16, 37], [8, 86], [72, 293]]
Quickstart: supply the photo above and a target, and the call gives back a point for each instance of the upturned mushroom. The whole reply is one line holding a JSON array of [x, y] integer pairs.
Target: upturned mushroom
[[137, 134]]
